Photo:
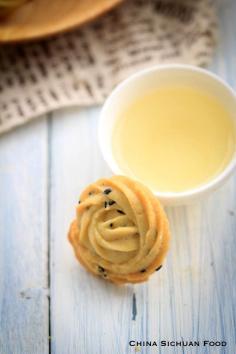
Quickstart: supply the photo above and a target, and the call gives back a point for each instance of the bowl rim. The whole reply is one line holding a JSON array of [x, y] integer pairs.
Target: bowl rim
[[9, 36], [183, 196]]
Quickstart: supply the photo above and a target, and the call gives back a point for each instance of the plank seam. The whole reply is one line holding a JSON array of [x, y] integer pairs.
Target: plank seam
[[49, 179]]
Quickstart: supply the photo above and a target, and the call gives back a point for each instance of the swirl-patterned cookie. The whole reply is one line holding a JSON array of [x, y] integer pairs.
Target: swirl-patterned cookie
[[121, 231]]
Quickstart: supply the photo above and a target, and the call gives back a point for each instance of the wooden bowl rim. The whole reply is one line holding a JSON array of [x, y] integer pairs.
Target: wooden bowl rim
[[62, 29]]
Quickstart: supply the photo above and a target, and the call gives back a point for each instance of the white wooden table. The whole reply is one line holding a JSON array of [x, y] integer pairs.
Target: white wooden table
[[49, 304]]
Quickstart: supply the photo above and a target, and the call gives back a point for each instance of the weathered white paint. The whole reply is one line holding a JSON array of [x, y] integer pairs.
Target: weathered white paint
[[23, 241]]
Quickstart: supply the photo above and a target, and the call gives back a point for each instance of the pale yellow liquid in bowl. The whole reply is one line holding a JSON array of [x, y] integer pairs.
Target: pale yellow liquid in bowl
[[174, 139]]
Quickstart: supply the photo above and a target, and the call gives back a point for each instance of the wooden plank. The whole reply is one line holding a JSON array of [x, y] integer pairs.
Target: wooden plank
[[194, 296], [23, 240], [82, 307]]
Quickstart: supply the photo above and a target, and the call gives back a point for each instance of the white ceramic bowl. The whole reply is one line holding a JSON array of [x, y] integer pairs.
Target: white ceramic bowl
[[153, 78]]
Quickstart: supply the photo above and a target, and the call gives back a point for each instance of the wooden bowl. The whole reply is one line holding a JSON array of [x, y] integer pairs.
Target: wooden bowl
[[41, 18]]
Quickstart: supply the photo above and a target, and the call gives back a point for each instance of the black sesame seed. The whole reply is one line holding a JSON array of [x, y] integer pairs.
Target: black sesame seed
[[107, 190], [158, 268], [105, 204], [111, 202], [120, 211], [101, 269], [79, 201], [143, 271], [111, 224]]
